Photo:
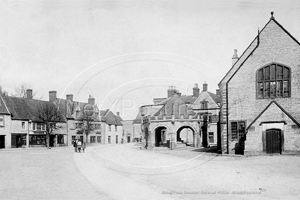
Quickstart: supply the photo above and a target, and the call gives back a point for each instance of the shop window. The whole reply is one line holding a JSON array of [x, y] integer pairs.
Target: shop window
[[37, 139], [237, 129], [98, 139], [211, 137], [1, 120], [60, 139], [93, 139], [273, 81]]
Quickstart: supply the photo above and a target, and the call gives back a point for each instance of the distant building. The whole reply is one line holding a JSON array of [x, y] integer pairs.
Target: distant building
[[128, 127], [112, 127], [260, 95]]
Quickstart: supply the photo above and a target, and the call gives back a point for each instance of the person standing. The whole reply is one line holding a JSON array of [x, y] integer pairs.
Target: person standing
[[79, 145], [75, 144], [83, 147]]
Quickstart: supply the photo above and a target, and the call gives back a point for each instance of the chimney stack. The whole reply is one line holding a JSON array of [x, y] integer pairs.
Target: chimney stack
[[91, 100], [29, 93], [52, 96], [234, 57], [171, 91], [196, 90], [204, 86], [70, 97]]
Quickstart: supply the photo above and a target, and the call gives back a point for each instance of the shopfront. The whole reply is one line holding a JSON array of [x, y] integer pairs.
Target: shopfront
[[37, 139], [18, 140]]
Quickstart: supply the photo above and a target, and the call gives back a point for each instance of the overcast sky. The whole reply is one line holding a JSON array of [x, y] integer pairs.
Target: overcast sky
[[125, 52]]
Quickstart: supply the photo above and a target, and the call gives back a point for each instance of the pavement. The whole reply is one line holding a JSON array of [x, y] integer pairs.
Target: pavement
[[127, 172]]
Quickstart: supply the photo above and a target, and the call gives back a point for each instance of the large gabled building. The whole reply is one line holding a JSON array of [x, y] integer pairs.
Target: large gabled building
[[261, 95]]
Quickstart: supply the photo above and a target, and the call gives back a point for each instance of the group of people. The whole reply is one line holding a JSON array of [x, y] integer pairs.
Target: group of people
[[78, 145]]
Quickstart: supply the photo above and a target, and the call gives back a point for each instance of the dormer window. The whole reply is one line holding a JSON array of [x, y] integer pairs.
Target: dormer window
[[273, 81]]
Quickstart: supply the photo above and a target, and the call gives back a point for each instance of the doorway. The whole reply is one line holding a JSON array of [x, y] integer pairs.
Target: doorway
[[52, 140], [273, 141], [2, 141], [160, 136]]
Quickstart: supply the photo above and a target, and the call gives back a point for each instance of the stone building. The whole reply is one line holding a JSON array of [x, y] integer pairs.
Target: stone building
[[261, 95], [177, 121]]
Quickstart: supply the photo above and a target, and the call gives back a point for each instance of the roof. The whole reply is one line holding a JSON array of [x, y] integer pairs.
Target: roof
[[137, 120], [23, 108], [215, 97], [110, 118], [249, 50], [3, 107]]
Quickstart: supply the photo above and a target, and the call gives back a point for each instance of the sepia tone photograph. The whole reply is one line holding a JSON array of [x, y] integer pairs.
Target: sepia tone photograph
[[149, 99]]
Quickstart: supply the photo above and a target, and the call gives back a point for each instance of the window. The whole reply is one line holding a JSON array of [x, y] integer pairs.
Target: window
[[116, 128], [237, 130], [60, 139], [116, 139], [1, 120], [203, 104], [211, 137], [33, 126], [109, 127], [38, 126], [37, 139], [273, 81], [109, 140], [98, 139], [93, 139], [78, 125], [23, 126], [43, 127], [97, 126]]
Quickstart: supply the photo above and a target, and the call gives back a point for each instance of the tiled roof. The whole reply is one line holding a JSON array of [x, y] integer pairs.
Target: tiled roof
[[137, 120], [215, 97], [23, 108], [109, 117], [3, 107]]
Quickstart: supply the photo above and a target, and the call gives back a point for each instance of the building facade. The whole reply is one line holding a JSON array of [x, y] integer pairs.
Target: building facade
[[260, 95]]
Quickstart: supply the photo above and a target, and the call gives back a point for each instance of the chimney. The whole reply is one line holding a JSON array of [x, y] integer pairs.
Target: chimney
[[218, 92], [91, 100], [234, 57], [69, 97], [52, 96], [204, 86], [171, 91], [29, 93], [196, 90]]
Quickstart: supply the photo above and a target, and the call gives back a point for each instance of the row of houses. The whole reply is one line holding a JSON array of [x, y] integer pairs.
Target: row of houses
[[23, 122], [256, 109]]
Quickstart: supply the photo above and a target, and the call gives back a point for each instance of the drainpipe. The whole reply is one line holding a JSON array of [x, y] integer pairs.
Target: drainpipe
[[227, 121]]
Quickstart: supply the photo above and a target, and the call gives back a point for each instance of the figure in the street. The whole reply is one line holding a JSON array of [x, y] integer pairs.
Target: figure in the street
[[75, 145], [83, 147], [79, 145]]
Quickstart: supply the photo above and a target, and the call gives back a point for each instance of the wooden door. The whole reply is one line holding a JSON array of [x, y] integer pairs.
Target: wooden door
[[273, 141]]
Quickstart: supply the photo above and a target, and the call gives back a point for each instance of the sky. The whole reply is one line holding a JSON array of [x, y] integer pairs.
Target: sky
[[124, 53]]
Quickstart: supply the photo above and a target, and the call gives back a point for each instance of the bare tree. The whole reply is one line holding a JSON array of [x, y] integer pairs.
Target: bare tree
[[21, 91], [3, 92], [49, 114]]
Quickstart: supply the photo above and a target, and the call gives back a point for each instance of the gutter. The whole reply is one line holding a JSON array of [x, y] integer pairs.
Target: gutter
[[227, 121]]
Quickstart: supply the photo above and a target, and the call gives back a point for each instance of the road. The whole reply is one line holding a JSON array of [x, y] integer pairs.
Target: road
[[126, 172]]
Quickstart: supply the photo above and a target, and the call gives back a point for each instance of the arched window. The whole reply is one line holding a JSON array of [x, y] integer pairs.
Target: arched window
[[273, 81]]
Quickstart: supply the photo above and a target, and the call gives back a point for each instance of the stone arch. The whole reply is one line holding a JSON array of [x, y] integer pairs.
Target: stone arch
[[187, 137], [160, 135]]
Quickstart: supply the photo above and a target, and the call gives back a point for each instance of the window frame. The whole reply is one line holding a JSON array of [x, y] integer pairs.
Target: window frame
[[276, 81], [23, 128], [238, 137]]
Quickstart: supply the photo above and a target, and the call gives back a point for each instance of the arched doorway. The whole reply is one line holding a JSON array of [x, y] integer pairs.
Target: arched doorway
[[186, 134], [273, 141], [160, 136]]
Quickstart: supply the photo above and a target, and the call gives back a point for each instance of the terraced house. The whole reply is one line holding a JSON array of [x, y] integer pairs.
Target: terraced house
[[260, 107]]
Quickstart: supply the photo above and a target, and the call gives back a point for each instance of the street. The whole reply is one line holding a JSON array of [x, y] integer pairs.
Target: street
[[127, 172]]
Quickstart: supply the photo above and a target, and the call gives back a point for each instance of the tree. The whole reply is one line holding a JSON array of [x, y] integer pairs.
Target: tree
[[3, 92], [21, 91], [50, 114]]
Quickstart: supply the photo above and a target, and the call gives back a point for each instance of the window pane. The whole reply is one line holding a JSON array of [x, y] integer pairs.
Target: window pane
[[241, 129], [279, 89], [234, 130], [273, 89], [272, 72], [267, 73], [285, 88], [279, 72], [260, 75], [285, 73], [267, 89], [260, 89]]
